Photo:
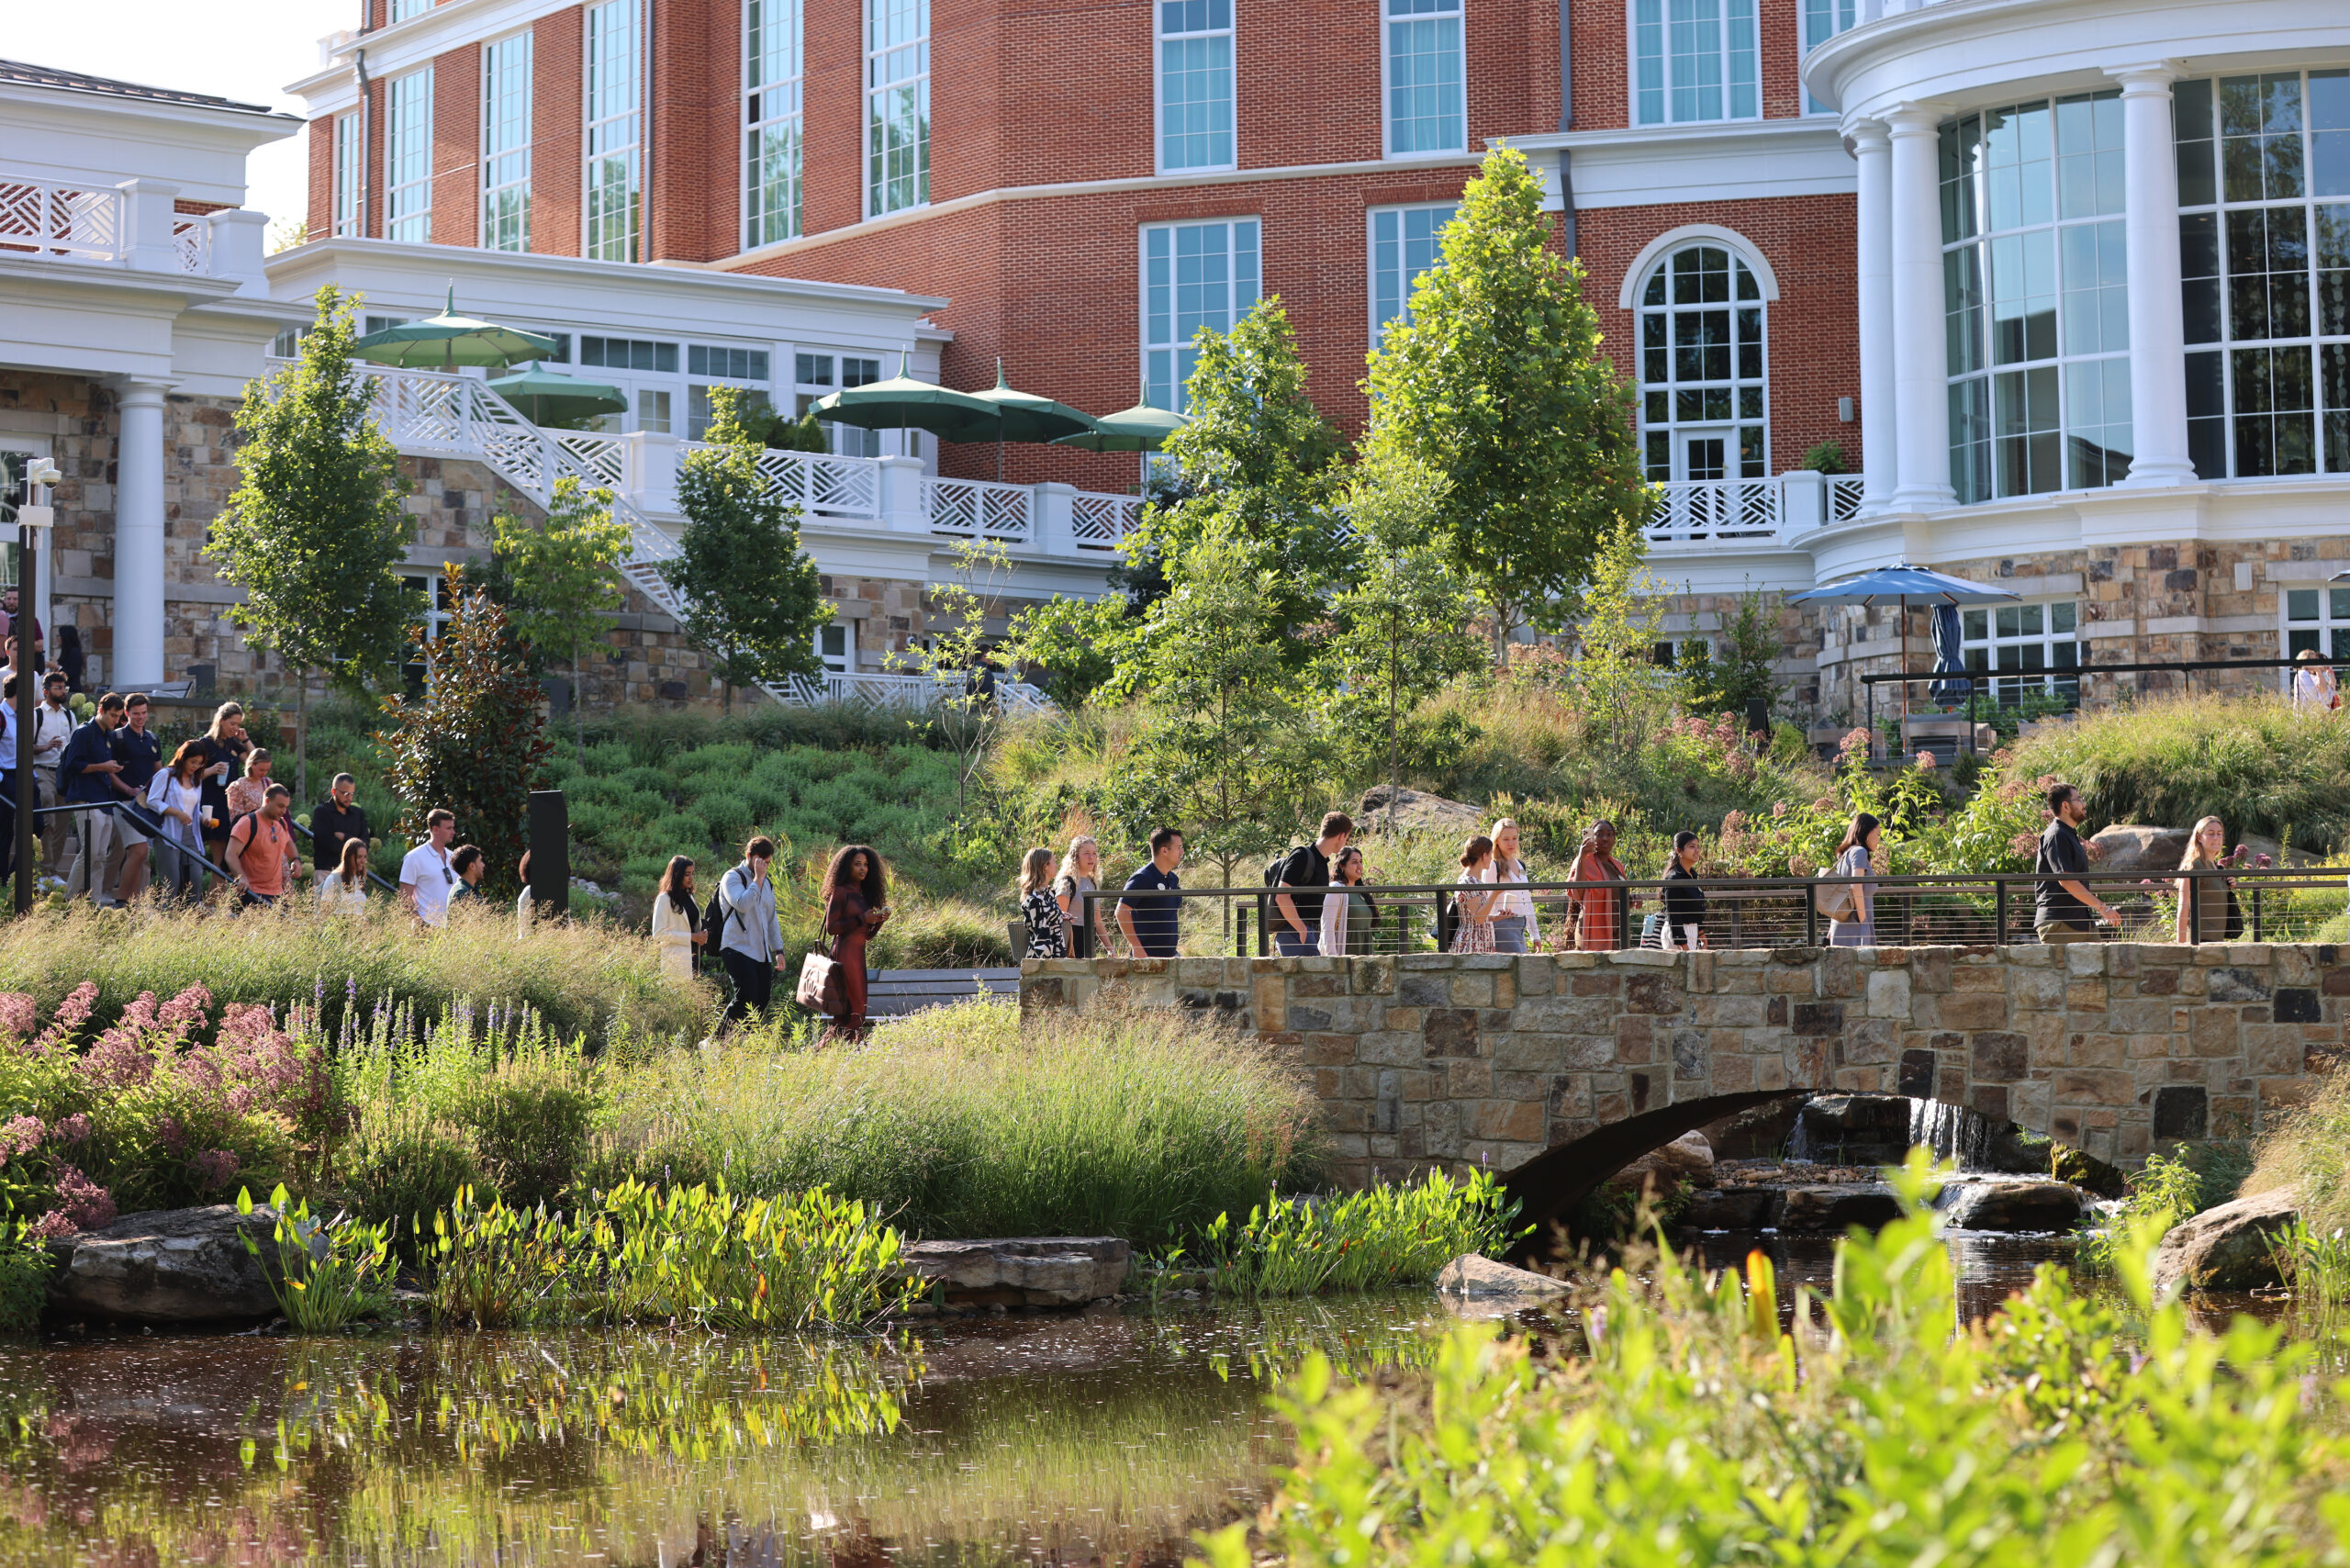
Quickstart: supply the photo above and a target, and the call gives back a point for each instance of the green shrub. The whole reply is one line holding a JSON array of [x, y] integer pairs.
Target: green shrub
[[24, 1265], [530, 1119], [402, 1163]]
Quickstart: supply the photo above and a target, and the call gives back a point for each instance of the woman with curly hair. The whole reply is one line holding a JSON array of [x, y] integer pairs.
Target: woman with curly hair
[[857, 896]]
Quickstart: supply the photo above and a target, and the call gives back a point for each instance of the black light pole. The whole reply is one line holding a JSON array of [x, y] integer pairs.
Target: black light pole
[[31, 521]]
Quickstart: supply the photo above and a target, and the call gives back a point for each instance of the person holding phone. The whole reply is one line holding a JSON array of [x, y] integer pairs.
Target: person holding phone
[[857, 901]]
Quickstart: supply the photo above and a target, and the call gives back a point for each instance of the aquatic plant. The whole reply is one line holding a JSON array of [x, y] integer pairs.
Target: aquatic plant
[[1873, 1431], [1384, 1235], [2166, 1190], [24, 1265], [329, 1273]]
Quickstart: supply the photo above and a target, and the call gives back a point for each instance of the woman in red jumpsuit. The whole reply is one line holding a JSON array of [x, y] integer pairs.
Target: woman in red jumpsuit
[[856, 903]]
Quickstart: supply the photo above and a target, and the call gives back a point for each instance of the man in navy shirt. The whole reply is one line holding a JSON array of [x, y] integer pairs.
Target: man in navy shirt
[[1150, 923], [85, 774], [142, 755]]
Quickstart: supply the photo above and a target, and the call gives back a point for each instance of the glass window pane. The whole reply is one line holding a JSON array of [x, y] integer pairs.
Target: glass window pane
[[2300, 604]]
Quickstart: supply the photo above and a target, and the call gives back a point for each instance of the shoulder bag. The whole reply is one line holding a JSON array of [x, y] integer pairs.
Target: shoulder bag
[[820, 984]]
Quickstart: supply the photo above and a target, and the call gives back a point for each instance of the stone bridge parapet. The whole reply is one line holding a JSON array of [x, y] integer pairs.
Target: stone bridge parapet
[[1439, 1060]]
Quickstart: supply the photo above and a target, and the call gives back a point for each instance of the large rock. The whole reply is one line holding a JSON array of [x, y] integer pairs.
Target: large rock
[[1854, 1129], [1471, 1275], [2227, 1247], [1733, 1208], [2138, 851], [2011, 1205], [1833, 1209], [1024, 1270], [1416, 812], [168, 1266], [1686, 1161]]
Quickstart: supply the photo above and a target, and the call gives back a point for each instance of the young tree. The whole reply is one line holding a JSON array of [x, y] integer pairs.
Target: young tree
[[1258, 455], [1619, 618], [476, 741], [1224, 750], [314, 530], [753, 599], [1495, 380], [959, 658], [1402, 628], [560, 580], [1735, 673], [1074, 642]]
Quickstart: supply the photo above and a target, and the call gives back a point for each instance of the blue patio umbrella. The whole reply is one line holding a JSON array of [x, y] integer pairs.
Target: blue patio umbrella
[[1948, 658], [1901, 584]]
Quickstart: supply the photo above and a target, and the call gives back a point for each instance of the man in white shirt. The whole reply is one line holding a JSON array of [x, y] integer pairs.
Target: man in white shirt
[[426, 878], [52, 727]]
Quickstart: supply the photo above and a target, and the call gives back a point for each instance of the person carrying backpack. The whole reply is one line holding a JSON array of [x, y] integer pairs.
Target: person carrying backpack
[[1297, 917], [748, 937]]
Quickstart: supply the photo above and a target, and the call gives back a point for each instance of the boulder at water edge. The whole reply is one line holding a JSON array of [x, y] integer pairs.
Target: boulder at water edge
[[1686, 1161], [1470, 1274], [2227, 1247], [1023, 1271], [167, 1266], [2011, 1205], [1834, 1209]]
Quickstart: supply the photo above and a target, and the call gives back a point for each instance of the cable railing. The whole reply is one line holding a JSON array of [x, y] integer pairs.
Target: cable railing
[[2309, 903]]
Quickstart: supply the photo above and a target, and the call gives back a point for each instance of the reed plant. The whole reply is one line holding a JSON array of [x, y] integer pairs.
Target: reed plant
[[328, 1273], [2308, 1149]]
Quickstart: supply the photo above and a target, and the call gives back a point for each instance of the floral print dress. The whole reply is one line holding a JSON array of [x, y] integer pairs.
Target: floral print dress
[[1047, 933]]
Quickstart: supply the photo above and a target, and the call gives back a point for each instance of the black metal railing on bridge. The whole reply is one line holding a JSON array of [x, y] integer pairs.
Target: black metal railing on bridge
[[1998, 909]]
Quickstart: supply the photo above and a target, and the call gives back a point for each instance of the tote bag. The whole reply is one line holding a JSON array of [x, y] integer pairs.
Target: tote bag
[[820, 984]]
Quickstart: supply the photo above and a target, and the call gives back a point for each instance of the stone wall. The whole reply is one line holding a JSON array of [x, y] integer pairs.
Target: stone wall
[[1431, 1059]]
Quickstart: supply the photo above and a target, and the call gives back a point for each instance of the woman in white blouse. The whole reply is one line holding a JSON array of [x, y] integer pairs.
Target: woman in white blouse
[[1515, 929], [175, 795], [344, 891]]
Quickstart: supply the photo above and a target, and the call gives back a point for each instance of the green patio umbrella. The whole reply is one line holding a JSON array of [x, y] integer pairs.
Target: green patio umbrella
[[1024, 415], [545, 397], [447, 340], [1140, 428], [902, 403]]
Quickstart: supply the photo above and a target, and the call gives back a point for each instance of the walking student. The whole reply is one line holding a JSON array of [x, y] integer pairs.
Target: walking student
[[1151, 909], [2217, 917], [1082, 874], [1349, 915], [142, 756], [224, 758], [1853, 859], [260, 848], [9, 762], [246, 794], [344, 891], [426, 877], [1474, 931], [177, 801], [1684, 899], [2314, 688], [334, 820], [676, 919], [85, 777], [1047, 930], [1602, 915], [750, 940], [52, 727], [2064, 910], [1515, 929], [1299, 931], [856, 902], [470, 865]]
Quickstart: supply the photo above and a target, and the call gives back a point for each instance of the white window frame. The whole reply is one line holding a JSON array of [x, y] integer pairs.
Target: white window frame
[[1728, 53], [2330, 626], [846, 631], [506, 162], [1370, 239], [1456, 12], [402, 10], [918, 80], [2008, 687], [1159, 38], [848, 441], [1822, 21], [1672, 424], [350, 157], [773, 106], [408, 203], [612, 132], [1236, 305]]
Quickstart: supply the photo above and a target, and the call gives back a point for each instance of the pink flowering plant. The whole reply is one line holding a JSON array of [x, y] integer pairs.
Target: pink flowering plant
[[166, 1107]]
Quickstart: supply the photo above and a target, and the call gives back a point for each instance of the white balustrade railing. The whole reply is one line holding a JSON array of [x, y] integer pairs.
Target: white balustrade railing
[[1102, 522], [980, 508], [814, 482], [192, 244], [1702, 512], [1844, 493], [49, 217]]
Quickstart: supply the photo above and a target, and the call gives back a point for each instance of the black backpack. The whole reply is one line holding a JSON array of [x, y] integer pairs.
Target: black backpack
[[1281, 862]]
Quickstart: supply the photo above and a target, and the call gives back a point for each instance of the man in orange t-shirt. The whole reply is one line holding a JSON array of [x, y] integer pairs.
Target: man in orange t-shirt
[[261, 847]]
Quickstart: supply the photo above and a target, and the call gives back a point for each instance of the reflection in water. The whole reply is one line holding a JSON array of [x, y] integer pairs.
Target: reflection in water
[[1988, 1267], [1064, 1440]]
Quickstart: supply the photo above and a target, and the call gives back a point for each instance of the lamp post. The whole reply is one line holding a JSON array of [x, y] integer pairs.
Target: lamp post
[[31, 521]]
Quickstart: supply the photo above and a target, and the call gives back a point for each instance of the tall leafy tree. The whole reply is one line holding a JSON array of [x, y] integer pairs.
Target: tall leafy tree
[[560, 578], [1402, 629], [314, 532], [1225, 750], [475, 740], [1258, 457], [1619, 618], [1497, 382], [753, 599]]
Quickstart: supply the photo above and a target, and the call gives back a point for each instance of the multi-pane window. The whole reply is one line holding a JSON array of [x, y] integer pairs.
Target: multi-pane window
[[1405, 242], [630, 353], [615, 129], [653, 409], [1195, 276], [2264, 193], [732, 364], [897, 105], [813, 376], [1425, 112], [506, 144], [1194, 84], [1695, 60], [349, 154], [1822, 21], [773, 70], [2036, 298], [2317, 619], [1703, 379], [403, 9], [2036, 646], [408, 158]]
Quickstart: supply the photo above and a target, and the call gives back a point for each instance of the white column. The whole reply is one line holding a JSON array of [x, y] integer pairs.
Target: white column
[[1880, 424], [239, 240], [901, 506], [1921, 373], [138, 660], [2157, 321]]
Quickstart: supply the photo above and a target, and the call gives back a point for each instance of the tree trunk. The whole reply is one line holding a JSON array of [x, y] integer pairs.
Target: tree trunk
[[578, 720], [302, 736]]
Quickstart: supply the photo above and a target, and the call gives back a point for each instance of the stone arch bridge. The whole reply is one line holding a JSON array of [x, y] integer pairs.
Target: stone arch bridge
[[1447, 1060]]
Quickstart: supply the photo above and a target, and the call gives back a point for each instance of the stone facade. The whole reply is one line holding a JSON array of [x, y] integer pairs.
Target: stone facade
[[1444, 1060]]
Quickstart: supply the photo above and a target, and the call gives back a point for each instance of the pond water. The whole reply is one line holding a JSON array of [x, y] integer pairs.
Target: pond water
[[1102, 1438]]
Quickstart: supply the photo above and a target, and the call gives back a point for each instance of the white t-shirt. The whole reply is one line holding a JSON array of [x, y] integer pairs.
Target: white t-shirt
[[427, 870]]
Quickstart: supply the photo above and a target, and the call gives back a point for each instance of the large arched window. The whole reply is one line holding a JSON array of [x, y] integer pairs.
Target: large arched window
[[1704, 407]]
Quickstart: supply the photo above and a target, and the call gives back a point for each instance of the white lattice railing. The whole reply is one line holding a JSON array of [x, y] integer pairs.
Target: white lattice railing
[[1102, 522], [1702, 511], [192, 244], [1844, 492], [980, 508], [46, 217], [844, 487]]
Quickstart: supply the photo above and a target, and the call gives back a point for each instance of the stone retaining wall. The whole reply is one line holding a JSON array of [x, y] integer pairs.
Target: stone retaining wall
[[1431, 1059]]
